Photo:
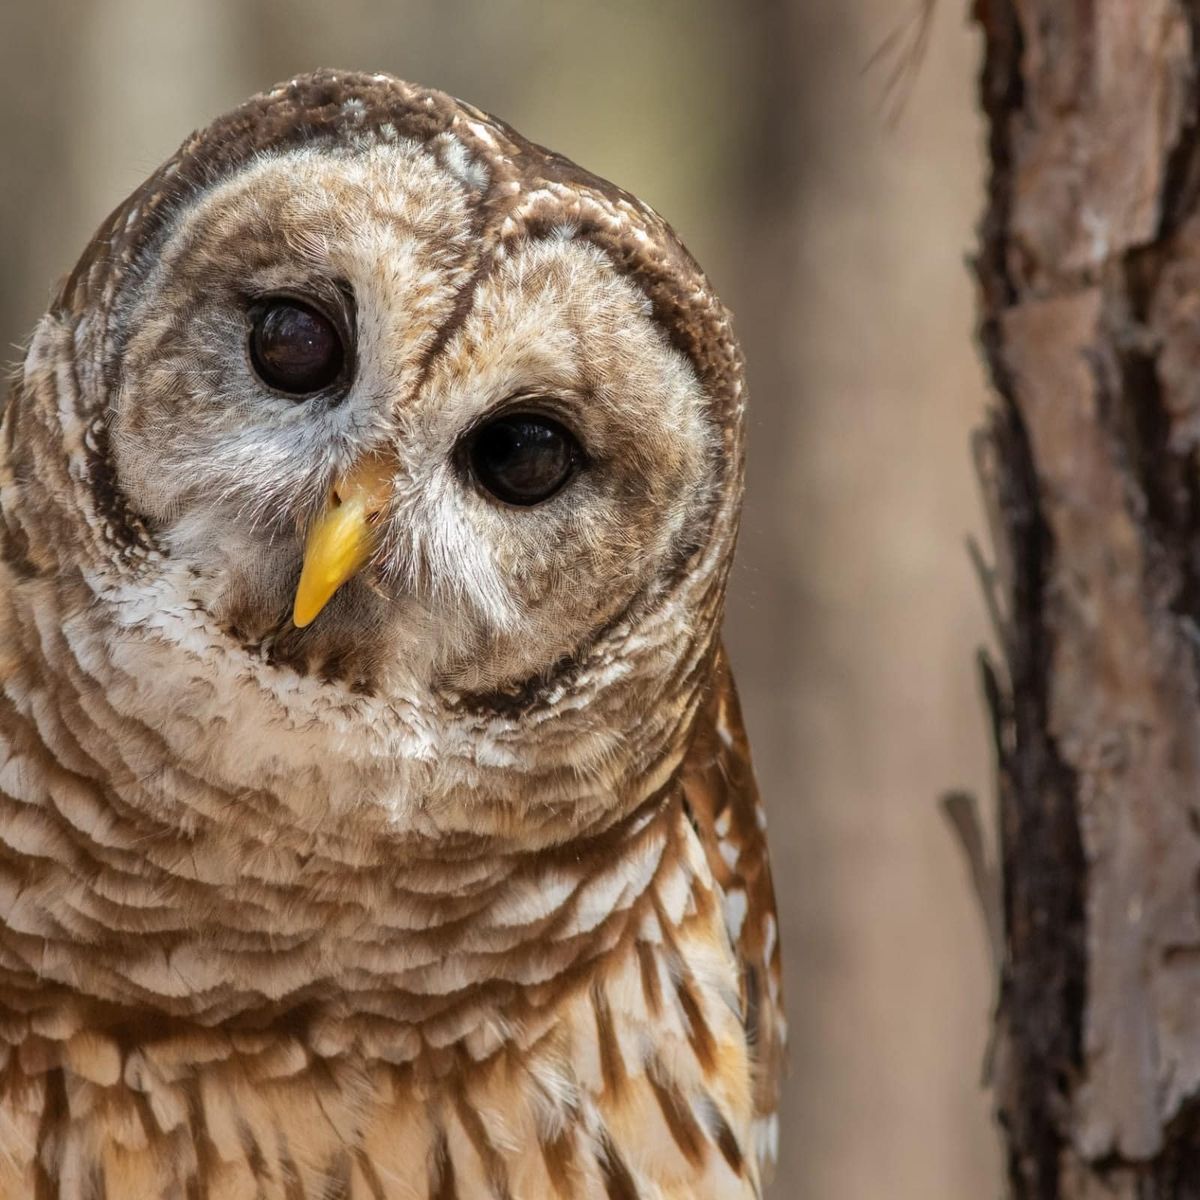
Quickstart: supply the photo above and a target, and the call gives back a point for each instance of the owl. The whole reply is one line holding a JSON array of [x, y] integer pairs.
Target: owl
[[376, 816]]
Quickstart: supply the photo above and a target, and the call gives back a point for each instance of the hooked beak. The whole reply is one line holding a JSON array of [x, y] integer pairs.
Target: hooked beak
[[342, 539]]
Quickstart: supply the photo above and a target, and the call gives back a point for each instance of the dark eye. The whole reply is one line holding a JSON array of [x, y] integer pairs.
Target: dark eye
[[522, 458], [294, 348]]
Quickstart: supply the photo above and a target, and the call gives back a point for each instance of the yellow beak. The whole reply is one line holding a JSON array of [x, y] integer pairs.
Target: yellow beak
[[341, 541]]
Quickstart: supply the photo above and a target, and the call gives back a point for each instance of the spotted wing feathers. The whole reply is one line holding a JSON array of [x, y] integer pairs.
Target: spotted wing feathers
[[725, 806]]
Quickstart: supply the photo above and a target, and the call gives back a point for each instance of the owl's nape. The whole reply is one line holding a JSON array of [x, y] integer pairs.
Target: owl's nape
[[376, 817]]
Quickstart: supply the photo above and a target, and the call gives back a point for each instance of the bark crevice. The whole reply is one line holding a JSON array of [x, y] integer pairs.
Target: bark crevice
[[1042, 980]]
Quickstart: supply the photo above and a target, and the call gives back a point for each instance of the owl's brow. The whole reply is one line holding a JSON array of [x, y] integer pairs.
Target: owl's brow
[[463, 302]]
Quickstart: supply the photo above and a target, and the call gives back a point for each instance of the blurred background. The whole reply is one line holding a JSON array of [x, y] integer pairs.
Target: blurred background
[[835, 215]]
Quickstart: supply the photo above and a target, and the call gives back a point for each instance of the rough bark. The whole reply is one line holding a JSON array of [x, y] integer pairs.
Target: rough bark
[[1090, 294]]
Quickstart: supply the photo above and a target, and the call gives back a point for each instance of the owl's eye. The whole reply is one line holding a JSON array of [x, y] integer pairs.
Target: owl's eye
[[294, 348], [522, 458]]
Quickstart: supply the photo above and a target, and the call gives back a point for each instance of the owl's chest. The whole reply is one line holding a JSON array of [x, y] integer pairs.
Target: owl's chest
[[635, 1083]]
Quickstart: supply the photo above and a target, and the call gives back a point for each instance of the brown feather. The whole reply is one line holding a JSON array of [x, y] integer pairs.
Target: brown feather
[[723, 801]]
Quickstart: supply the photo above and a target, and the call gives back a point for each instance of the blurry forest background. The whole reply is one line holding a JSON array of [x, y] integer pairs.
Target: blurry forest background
[[838, 231]]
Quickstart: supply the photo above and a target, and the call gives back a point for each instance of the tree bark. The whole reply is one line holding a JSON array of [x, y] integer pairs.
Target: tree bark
[[1090, 294]]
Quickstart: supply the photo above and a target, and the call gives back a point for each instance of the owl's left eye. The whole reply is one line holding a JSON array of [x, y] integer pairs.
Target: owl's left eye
[[294, 348], [522, 458]]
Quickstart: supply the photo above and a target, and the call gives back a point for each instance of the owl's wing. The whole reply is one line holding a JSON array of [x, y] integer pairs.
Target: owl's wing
[[722, 796]]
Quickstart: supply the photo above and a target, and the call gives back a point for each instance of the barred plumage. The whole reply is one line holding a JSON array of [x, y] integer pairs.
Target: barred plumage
[[461, 890]]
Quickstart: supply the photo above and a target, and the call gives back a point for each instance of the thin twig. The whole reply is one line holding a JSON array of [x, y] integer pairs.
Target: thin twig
[[902, 53], [989, 585], [962, 813]]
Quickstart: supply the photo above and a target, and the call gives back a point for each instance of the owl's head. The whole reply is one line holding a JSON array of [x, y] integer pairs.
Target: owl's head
[[390, 398]]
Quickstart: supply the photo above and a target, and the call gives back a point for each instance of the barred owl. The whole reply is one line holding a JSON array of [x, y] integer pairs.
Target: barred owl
[[376, 817]]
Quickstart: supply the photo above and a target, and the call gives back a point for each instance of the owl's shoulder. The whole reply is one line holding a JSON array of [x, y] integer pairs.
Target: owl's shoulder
[[726, 809]]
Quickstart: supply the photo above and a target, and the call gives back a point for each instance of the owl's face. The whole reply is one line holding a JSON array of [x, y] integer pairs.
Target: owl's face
[[536, 457], [383, 461]]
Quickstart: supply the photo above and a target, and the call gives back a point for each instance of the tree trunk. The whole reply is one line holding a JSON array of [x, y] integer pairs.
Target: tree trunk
[[1090, 294]]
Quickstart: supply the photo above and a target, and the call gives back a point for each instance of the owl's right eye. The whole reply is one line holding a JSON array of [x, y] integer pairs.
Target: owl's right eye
[[294, 348]]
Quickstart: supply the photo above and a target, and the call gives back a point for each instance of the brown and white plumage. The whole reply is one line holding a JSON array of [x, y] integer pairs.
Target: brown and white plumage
[[461, 890]]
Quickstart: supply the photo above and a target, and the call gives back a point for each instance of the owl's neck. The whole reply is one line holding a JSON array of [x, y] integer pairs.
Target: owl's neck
[[135, 872]]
